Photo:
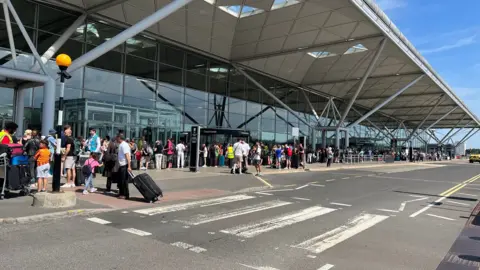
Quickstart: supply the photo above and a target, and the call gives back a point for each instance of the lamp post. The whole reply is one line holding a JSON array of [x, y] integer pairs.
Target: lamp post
[[63, 62]]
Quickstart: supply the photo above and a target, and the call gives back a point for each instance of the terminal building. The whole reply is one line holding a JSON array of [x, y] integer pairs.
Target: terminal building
[[339, 70]]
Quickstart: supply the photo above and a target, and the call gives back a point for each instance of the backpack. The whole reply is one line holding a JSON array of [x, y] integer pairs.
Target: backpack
[[289, 152], [86, 170]]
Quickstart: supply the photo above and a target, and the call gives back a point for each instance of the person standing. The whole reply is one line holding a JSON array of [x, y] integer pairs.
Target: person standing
[[288, 156], [238, 152], [230, 155], [7, 134], [257, 160], [158, 150], [42, 157], [69, 157], [31, 147], [329, 156], [180, 154], [94, 142], [27, 135], [246, 151], [110, 159], [204, 155], [169, 149], [147, 153], [124, 158]]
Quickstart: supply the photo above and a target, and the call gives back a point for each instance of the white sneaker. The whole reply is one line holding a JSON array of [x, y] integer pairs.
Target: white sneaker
[[66, 185], [72, 185], [85, 192], [143, 168], [92, 190]]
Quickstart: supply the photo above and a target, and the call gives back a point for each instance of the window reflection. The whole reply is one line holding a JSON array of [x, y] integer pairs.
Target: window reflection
[[97, 33], [140, 67], [111, 60], [103, 81], [171, 56], [98, 96], [142, 46], [55, 21], [140, 88], [19, 40]]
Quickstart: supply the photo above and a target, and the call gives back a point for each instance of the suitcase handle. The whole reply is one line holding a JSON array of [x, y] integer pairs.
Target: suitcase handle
[[131, 174]]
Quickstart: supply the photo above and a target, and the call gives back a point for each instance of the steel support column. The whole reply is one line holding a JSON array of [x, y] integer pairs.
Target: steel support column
[[451, 130], [127, 33], [9, 33], [19, 109], [425, 119], [337, 138], [310, 104], [429, 133], [26, 37], [277, 100], [60, 41], [371, 123], [466, 137], [436, 122], [369, 70], [385, 102], [48, 109], [458, 130]]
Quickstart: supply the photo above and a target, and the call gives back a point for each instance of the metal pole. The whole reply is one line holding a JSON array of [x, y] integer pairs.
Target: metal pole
[[128, 33], [385, 102], [310, 104], [60, 41], [438, 120], [270, 94], [9, 33], [425, 119], [458, 130], [58, 154], [371, 123], [27, 38], [337, 138], [364, 79], [429, 133]]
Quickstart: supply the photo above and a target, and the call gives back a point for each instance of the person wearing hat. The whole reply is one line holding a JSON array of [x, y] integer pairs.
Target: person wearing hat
[[6, 135]]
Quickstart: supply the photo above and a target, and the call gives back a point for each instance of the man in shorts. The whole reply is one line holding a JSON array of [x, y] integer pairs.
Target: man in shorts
[[238, 152], [288, 156], [69, 157]]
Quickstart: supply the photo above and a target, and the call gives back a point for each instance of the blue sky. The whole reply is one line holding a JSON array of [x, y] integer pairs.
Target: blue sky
[[447, 33]]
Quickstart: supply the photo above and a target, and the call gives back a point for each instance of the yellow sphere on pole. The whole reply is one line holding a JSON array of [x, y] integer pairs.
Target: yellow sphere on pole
[[63, 60]]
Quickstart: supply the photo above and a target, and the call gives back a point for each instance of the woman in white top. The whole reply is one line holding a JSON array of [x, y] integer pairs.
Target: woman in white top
[[257, 160]]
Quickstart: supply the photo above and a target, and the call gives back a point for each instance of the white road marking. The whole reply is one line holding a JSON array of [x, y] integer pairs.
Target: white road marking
[[137, 232], [190, 205], [341, 204], [277, 190], [416, 196], [293, 185], [311, 256], [211, 233], [302, 199], [206, 218], [472, 188], [300, 187], [124, 212], [466, 194], [189, 247], [403, 204], [253, 229], [358, 176], [346, 178], [459, 203], [326, 267], [427, 207], [442, 217], [317, 185], [329, 239], [371, 175], [264, 193], [329, 180], [388, 210], [258, 267], [99, 220]]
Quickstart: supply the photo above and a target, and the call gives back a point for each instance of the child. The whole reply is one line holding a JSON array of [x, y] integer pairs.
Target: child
[[43, 165], [90, 164]]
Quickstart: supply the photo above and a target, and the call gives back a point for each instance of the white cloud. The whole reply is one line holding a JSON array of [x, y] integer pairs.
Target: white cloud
[[460, 43], [391, 4]]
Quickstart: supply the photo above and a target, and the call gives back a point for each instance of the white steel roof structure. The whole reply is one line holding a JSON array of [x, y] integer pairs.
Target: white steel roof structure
[[322, 46]]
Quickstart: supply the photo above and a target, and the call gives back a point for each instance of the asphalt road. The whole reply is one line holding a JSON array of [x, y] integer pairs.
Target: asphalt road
[[380, 218]]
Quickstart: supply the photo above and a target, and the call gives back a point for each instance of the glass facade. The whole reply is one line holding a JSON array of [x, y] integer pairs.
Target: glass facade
[[147, 84]]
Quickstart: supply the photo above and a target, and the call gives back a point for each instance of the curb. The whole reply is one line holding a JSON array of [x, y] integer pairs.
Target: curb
[[53, 216]]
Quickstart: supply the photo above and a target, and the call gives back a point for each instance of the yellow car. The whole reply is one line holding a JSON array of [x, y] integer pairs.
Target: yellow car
[[474, 158]]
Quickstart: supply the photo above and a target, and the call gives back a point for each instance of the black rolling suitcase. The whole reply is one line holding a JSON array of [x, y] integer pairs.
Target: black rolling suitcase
[[79, 177], [295, 162], [147, 187]]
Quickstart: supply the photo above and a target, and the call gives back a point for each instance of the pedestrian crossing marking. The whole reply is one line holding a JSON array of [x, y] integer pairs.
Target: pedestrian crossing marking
[[190, 205], [326, 267], [206, 218], [331, 238], [188, 247], [253, 229], [99, 220], [137, 232]]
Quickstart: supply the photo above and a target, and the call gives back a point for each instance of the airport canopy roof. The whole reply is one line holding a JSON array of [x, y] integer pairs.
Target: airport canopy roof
[[323, 46]]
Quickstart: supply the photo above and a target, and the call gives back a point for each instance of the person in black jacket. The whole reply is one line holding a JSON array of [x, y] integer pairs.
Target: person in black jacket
[[30, 147]]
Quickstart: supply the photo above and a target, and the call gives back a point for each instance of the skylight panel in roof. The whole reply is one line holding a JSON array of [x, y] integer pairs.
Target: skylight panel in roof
[[240, 11], [356, 49], [321, 54], [283, 3]]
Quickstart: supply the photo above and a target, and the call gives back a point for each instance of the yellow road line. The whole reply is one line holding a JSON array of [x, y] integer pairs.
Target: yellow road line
[[265, 182], [456, 188]]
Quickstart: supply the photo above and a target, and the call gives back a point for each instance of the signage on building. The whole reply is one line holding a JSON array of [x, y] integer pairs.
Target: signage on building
[[295, 131]]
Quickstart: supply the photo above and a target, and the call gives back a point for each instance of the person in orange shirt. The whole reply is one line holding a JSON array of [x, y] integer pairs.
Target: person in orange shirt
[[43, 166]]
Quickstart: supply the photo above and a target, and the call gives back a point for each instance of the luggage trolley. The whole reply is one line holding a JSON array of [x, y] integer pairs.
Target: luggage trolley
[[22, 183]]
